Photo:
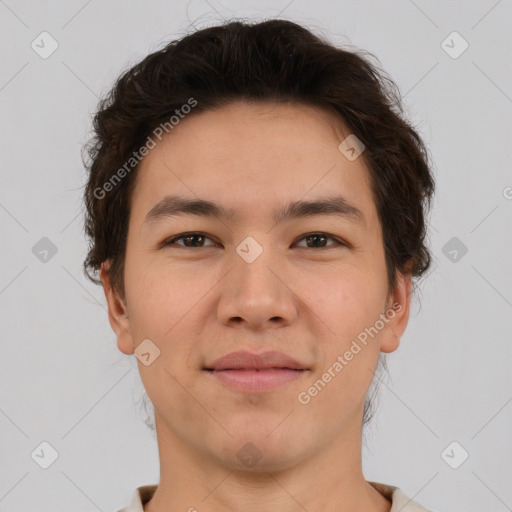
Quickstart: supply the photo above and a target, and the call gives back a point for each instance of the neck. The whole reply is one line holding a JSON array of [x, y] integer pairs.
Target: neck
[[330, 479]]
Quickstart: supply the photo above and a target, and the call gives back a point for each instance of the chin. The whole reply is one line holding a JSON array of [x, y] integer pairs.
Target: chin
[[258, 449]]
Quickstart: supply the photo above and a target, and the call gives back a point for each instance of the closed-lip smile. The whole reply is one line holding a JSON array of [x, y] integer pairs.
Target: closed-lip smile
[[244, 360], [254, 373]]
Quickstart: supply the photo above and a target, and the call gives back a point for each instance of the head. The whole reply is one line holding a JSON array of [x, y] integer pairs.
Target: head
[[240, 121]]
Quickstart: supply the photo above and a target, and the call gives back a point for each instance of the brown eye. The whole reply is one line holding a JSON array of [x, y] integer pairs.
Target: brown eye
[[190, 240], [318, 240], [196, 240]]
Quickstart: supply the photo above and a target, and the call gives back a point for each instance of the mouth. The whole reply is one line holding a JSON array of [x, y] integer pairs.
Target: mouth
[[249, 372], [252, 380]]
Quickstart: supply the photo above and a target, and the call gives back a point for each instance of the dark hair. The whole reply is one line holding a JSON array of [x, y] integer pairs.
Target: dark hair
[[274, 60]]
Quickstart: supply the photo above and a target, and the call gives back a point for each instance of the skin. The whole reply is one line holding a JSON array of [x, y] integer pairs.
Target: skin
[[305, 300]]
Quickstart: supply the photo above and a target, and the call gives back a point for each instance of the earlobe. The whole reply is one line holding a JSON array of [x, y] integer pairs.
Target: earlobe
[[117, 312], [397, 311]]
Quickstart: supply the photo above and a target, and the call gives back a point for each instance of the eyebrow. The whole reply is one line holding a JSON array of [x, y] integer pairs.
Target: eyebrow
[[173, 205]]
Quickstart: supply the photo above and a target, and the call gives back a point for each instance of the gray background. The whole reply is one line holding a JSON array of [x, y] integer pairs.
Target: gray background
[[63, 380]]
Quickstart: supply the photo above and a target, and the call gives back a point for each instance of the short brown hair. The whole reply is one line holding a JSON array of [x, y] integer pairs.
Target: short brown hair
[[274, 60]]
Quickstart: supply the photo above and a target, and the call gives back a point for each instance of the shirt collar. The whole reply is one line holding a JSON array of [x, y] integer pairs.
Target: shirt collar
[[141, 496], [400, 502]]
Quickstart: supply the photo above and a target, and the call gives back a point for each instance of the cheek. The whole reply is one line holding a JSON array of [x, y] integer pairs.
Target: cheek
[[348, 354], [161, 303], [169, 306], [156, 300], [350, 305], [346, 298]]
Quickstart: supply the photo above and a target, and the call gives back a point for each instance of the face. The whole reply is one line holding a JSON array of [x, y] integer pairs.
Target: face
[[308, 286]]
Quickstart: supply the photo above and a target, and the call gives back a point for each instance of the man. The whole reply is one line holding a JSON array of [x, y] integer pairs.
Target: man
[[256, 209]]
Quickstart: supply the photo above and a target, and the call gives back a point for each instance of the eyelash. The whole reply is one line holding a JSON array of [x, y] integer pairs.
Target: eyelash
[[339, 242]]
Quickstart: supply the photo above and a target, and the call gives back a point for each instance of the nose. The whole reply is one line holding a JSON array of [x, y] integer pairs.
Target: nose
[[257, 295]]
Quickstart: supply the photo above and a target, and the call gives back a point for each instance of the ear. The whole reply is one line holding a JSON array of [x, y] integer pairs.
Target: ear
[[117, 312], [397, 312]]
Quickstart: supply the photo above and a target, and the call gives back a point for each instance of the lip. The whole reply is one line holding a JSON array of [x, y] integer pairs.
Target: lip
[[248, 372], [244, 360], [254, 381]]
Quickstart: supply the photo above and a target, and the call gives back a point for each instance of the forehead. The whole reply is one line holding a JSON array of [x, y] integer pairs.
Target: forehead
[[246, 155]]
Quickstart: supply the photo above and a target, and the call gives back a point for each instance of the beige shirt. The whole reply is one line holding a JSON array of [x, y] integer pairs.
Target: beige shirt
[[400, 502]]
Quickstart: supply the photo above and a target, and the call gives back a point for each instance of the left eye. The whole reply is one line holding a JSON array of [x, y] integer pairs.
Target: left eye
[[320, 236], [189, 237]]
